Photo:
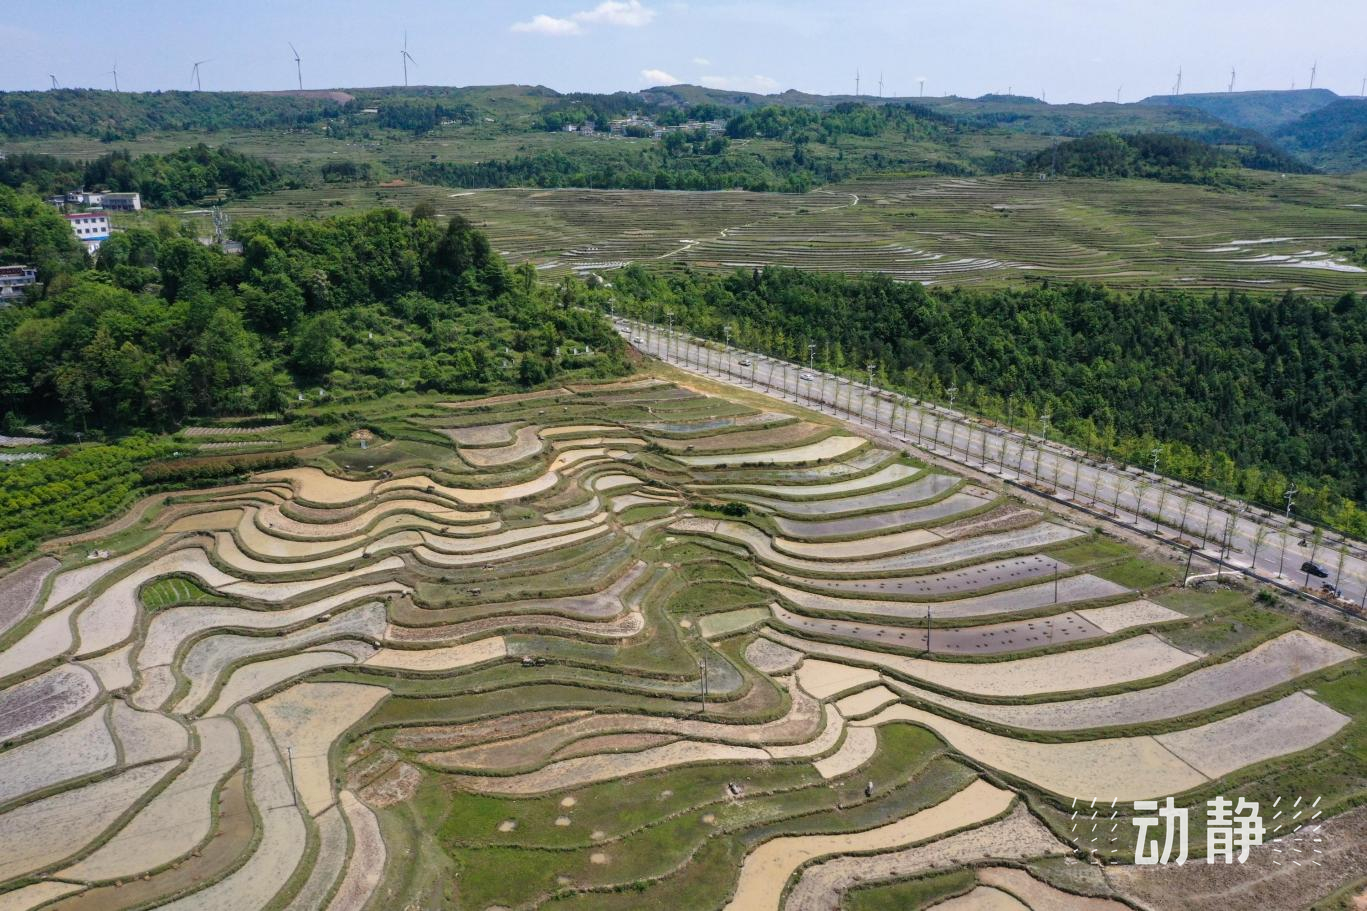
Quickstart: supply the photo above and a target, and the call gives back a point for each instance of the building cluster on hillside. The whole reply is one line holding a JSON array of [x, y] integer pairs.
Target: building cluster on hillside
[[88, 213], [641, 126]]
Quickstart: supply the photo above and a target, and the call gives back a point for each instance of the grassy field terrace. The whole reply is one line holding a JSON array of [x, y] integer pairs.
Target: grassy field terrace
[[1293, 231], [637, 644]]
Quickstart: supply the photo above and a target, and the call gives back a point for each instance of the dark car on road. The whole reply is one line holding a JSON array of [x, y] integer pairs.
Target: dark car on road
[[1314, 569]]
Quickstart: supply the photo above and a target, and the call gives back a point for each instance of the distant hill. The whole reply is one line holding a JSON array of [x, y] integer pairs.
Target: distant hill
[[1159, 156], [1333, 138], [1263, 111]]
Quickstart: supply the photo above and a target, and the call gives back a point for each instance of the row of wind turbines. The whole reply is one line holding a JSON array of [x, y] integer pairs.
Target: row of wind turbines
[[298, 68]]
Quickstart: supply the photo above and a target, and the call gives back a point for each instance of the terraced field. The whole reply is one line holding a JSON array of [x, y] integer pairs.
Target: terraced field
[[1278, 232], [623, 645]]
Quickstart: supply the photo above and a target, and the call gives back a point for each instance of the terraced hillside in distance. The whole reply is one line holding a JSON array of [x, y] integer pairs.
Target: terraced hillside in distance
[[1293, 231], [646, 644]]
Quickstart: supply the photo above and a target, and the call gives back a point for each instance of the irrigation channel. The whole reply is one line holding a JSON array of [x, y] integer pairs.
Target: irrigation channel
[[1229, 534]]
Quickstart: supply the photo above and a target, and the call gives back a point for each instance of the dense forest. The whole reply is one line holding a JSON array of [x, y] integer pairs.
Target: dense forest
[[174, 179], [1158, 156], [1246, 393], [125, 115], [163, 328]]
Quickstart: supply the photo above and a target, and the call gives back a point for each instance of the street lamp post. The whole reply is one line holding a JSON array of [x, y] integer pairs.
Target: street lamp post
[[953, 391], [871, 367]]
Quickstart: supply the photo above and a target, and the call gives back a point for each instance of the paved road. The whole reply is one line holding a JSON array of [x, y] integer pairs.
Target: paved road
[[1218, 527]]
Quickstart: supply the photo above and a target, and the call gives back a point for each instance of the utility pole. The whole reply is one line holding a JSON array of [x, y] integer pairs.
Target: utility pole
[[927, 629], [871, 367], [953, 391]]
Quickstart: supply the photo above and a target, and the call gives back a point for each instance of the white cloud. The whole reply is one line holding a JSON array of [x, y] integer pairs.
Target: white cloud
[[625, 13], [548, 25], [702, 61], [761, 84], [660, 77], [620, 13]]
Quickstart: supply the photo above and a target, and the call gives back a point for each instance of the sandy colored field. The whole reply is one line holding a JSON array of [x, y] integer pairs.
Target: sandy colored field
[[169, 628], [329, 865], [46, 831], [19, 590], [317, 486], [146, 736], [503, 539], [866, 702], [771, 658], [50, 638], [30, 897], [857, 748], [864, 547], [214, 520], [615, 481], [570, 430], [432, 660], [802, 723], [983, 898], [573, 773], [114, 669], [309, 717], [499, 434], [80, 749], [437, 558], [1019, 835], [1289, 725], [824, 679], [855, 504], [1270, 664], [283, 837], [525, 444], [176, 820], [1136, 658], [365, 867], [259, 676], [1119, 617], [79, 580], [44, 700], [984, 639], [829, 448], [204, 663], [820, 745], [475, 495], [1041, 895], [276, 592], [1130, 768], [816, 529], [768, 438], [767, 868], [1039, 535], [883, 477], [1265, 881], [322, 525], [1071, 589]]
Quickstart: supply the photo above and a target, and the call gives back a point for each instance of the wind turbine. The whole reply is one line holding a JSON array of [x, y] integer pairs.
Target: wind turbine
[[298, 70], [856, 82], [1362, 92], [1313, 69], [1177, 86], [115, 73], [195, 73], [880, 84], [54, 80], [1231, 79], [407, 59], [923, 87], [1117, 92]]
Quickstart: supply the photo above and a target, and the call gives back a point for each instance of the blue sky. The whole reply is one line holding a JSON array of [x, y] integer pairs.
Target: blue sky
[[1069, 51]]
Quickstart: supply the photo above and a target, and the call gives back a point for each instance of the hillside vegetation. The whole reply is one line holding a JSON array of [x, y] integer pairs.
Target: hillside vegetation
[[1244, 392], [173, 179], [164, 328], [1333, 138], [1159, 156]]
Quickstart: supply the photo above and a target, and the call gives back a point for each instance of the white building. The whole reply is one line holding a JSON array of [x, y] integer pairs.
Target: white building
[[14, 280], [84, 198], [92, 228], [123, 202]]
